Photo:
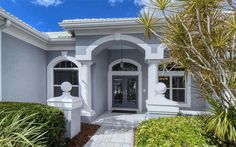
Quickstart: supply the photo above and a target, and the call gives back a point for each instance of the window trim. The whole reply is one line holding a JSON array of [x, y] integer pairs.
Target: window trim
[[125, 73], [187, 88], [65, 69], [50, 74]]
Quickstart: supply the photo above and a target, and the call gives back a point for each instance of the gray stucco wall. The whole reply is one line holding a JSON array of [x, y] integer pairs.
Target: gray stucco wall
[[99, 83], [53, 54], [198, 102], [23, 71]]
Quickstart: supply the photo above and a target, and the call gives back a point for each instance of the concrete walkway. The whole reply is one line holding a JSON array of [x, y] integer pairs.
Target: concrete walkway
[[116, 130], [112, 137]]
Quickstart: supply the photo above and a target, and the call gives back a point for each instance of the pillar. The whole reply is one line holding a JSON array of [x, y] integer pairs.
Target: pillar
[[85, 83], [152, 77]]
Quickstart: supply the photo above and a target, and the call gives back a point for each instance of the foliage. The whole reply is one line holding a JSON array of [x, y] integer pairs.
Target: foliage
[[16, 130], [53, 119], [222, 123], [200, 36], [172, 131]]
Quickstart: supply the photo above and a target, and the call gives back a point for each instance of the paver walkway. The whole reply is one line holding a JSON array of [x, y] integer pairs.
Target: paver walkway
[[111, 136], [116, 130]]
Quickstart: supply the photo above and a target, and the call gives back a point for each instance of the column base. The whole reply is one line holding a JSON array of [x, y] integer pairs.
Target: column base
[[87, 112]]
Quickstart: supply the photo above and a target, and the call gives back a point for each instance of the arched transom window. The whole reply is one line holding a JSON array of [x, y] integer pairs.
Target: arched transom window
[[124, 66], [65, 71]]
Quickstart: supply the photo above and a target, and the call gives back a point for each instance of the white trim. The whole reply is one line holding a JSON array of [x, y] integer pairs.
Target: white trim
[[85, 77], [50, 67], [116, 37], [125, 73], [129, 109], [187, 84], [190, 112]]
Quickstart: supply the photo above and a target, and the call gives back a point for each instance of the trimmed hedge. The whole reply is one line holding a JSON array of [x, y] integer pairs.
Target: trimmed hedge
[[180, 131], [51, 116]]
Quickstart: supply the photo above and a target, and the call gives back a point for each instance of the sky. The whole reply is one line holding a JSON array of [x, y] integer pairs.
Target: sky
[[44, 15]]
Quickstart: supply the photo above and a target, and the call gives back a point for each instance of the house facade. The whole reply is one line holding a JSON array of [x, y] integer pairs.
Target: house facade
[[108, 62]]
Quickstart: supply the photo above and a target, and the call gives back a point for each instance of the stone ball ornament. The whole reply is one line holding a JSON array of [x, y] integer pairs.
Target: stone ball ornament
[[66, 86], [160, 88]]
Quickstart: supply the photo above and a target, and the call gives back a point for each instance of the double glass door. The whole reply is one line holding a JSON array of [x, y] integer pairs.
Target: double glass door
[[125, 91]]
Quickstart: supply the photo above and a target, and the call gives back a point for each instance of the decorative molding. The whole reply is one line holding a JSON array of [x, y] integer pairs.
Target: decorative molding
[[109, 38], [117, 36], [50, 72], [125, 60], [153, 61], [125, 73]]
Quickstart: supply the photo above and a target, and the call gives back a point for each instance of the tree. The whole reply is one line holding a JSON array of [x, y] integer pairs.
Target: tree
[[200, 36]]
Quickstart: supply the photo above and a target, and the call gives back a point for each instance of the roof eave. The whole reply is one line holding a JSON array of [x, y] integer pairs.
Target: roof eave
[[23, 26], [100, 25]]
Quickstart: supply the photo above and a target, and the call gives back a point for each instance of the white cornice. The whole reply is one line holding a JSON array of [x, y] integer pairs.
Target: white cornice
[[104, 26], [16, 22], [115, 23], [27, 33]]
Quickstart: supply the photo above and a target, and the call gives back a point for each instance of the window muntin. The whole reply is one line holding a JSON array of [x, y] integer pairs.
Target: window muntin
[[175, 87], [174, 78], [65, 71], [126, 67], [65, 64], [170, 67], [166, 81]]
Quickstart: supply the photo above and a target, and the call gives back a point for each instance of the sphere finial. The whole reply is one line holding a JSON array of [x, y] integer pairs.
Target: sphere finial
[[66, 86], [160, 88]]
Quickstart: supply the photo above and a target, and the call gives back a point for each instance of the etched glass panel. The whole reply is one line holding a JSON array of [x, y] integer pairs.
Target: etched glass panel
[[118, 91], [66, 64], [132, 90], [124, 67]]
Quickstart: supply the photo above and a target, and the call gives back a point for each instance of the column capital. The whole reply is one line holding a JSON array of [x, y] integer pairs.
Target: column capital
[[86, 62], [153, 61]]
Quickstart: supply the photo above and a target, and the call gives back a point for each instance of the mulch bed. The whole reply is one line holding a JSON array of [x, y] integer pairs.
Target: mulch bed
[[87, 131]]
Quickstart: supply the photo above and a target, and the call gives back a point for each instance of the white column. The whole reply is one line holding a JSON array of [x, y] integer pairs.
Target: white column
[[152, 77], [85, 83]]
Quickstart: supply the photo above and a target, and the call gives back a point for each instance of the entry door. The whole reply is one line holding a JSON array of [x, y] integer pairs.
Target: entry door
[[125, 91]]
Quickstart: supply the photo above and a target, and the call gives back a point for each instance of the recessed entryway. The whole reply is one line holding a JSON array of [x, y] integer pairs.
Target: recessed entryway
[[125, 85]]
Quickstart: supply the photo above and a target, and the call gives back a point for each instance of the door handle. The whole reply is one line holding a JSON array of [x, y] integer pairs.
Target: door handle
[[125, 92]]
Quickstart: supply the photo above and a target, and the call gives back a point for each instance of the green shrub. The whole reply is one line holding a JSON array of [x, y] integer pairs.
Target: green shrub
[[177, 131], [52, 117], [17, 130]]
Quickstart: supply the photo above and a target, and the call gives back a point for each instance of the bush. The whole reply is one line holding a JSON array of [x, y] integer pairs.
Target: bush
[[171, 131], [16, 131], [52, 117]]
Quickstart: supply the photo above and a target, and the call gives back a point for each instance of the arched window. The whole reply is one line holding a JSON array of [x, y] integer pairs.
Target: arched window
[[124, 66], [65, 71]]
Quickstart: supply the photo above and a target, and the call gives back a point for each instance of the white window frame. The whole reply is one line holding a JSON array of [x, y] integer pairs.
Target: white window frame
[[68, 69], [125, 73], [50, 74], [187, 88]]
